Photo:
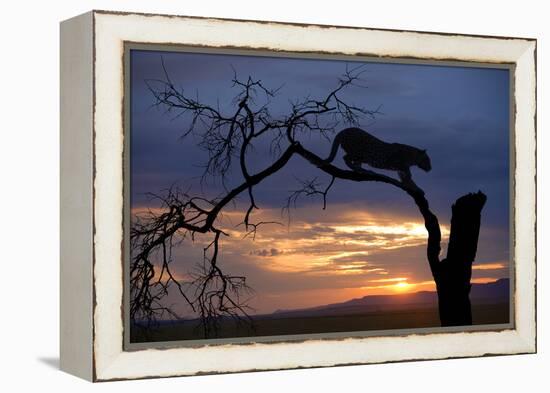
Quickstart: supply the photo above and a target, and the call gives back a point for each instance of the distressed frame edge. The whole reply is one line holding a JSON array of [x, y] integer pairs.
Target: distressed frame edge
[[76, 196], [527, 339], [304, 24], [525, 193]]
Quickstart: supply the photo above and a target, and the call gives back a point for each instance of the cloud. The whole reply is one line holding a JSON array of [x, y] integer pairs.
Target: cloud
[[273, 252]]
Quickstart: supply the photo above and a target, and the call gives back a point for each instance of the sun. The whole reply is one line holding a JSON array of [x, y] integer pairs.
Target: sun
[[402, 286]]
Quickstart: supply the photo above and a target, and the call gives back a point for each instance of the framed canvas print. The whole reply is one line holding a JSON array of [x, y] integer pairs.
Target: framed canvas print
[[245, 195]]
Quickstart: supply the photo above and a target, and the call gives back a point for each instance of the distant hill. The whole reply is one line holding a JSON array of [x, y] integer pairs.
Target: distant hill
[[491, 293], [406, 311]]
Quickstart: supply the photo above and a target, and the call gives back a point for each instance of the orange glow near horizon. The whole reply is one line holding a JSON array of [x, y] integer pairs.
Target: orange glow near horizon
[[483, 280], [489, 266], [323, 256], [397, 285]]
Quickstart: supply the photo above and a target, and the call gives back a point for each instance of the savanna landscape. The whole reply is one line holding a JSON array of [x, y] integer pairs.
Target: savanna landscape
[[274, 196]]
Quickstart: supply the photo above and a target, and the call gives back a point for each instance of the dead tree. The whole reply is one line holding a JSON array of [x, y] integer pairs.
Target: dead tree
[[453, 274], [212, 293]]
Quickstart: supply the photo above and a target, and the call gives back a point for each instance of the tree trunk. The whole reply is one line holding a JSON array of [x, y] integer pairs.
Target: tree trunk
[[453, 274]]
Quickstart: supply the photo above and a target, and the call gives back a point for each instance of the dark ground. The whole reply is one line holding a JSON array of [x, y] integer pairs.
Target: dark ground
[[272, 325]]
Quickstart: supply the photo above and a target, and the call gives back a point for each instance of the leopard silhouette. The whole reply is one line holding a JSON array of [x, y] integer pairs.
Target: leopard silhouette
[[363, 148]]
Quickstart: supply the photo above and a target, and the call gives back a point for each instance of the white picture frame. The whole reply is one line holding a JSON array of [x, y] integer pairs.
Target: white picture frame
[[92, 183]]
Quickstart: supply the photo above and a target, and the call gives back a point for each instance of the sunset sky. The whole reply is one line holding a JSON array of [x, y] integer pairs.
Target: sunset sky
[[371, 238]]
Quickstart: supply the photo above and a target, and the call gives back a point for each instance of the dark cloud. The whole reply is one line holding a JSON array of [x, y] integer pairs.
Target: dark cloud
[[272, 252], [459, 114]]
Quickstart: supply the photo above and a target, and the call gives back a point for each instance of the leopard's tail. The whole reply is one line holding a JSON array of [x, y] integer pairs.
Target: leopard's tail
[[334, 148]]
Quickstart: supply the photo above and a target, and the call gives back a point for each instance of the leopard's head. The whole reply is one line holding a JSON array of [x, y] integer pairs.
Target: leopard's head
[[424, 161]]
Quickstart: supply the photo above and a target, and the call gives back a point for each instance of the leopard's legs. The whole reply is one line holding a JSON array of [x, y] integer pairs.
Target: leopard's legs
[[353, 164], [406, 179], [405, 176]]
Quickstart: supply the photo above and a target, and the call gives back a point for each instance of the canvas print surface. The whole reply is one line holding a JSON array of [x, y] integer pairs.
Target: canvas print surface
[[282, 196]]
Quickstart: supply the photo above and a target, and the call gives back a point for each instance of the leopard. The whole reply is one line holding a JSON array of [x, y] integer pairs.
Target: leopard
[[361, 147]]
